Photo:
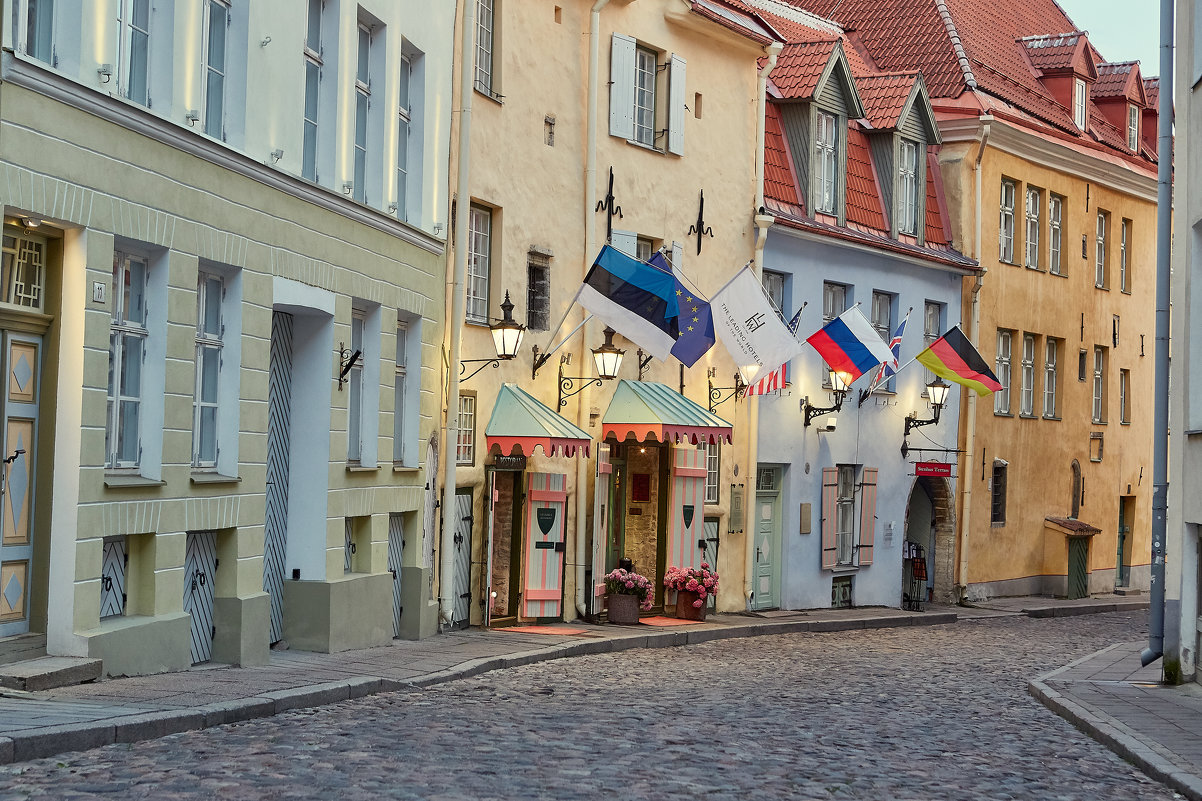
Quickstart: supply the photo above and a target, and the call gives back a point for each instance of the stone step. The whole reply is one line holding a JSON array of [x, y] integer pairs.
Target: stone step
[[48, 672]]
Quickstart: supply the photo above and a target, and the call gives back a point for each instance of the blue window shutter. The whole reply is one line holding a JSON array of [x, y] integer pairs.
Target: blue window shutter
[[621, 87], [676, 100]]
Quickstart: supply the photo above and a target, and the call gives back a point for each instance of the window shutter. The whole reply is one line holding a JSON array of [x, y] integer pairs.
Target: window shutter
[[621, 87], [625, 241], [830, 500], [676, 105], [867, 515], [677, 256]]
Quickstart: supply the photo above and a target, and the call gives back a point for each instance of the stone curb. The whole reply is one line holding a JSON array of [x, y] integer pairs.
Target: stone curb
[[52, 740], [1085, 609]]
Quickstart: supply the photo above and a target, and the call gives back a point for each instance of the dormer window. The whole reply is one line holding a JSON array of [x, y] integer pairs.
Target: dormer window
[[1132, 127], [1079, 103], [825, 139], [907, 197]]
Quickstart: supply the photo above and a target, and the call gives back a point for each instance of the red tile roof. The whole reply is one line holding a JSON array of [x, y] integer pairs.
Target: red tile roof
[[863, 197], [1120, 80], [1152, 91], [1061, 51], [736, 16], [780, 182], [936, 228], [800, 66], [885, 95]]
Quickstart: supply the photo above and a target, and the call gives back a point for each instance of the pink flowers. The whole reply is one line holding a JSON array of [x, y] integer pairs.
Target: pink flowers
[[624, 582], [701, 580]]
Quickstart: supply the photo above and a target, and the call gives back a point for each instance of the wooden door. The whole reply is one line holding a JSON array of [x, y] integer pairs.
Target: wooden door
[[279, 413], [396, 558], [546, 508], [765, 594], [711, 551], [1078, 567], [200, 567], [22, 361], [461, 578]]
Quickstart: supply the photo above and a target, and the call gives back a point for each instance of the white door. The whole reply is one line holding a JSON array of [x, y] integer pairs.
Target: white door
[[22, 364], [767, 537]]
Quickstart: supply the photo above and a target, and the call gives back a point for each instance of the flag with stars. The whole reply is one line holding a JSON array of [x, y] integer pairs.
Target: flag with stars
[[695, 322], [633, 298]]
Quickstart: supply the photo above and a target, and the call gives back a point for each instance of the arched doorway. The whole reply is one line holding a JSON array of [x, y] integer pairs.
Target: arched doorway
[[930, 534]]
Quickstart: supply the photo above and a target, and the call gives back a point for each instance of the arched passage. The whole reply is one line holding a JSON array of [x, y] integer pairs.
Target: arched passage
[[930, 524]]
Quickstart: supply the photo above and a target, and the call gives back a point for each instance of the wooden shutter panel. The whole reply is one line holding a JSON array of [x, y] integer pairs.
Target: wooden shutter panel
[[677, 256], [625, 241], [830, 502], [676, 100], [867, 515], [621, 86]]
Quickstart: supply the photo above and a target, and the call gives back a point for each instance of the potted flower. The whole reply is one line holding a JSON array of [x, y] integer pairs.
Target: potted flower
[[693, 588], [627, 591]]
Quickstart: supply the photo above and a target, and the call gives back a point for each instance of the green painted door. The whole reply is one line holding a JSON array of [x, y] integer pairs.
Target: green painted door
[[765, 594], [1078, 567]]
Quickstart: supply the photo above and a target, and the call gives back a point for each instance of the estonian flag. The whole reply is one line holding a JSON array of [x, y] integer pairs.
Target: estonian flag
[[634, 299], [953, 357], [696, 322]]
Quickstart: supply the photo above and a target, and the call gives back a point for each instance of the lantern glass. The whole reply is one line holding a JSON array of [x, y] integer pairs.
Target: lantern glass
[[507, 338], [937, 392], [838, 381], [609, 361]]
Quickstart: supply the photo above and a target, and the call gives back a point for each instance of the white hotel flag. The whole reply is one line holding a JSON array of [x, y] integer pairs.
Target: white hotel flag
[[750, 328]]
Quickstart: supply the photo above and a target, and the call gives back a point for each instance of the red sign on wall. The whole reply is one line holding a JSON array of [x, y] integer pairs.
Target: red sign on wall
[[933, 469]]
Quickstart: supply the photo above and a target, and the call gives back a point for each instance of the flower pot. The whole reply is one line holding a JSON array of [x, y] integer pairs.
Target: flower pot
[[684, 606], [623, 609]]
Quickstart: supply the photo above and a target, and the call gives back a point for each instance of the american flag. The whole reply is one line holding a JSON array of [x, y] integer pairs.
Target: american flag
[[889, 368], [776, 380]]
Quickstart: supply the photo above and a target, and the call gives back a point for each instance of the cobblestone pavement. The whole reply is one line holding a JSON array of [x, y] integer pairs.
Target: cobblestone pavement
[[908, 713]]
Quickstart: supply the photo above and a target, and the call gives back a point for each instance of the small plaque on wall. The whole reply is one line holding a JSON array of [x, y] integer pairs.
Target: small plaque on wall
[[640, 488]]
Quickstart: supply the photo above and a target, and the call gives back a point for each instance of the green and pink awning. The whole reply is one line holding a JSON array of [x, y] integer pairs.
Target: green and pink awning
[[650, 410], [520, 423]]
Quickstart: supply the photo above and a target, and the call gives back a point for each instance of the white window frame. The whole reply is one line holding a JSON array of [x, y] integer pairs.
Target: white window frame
[[1027, 397], [538, 291], [1099, 384], [356, 389], [907, 195], [363, 80], [465, 440], [1132, 126], [1101, 277], [774, 288], [1124, 396], [1050, 364], [407, 390], [404, 121], [213, 72], [826, 145], [313, 64], [845, 515], [124, 329], [713, 463], [1079, 103], [1032, 244], [479, 260], [129, 32], [1001, 398], [41, 18], [210, 341], [1006, 222], [485, 42], [400, 411], [932, 329], [646, 77], [1055, 235], [1124, 235], [834, 300], [24, 257]]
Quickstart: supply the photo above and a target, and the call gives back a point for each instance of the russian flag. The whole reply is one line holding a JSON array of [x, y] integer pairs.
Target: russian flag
[[850, 345]]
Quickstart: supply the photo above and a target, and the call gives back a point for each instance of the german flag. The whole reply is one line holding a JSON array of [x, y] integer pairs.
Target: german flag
[[953, 357]]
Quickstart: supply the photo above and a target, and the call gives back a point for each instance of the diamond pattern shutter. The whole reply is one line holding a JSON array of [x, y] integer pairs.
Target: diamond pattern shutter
[[621, 86], [200, 565], [676, 99], [396, 546], [830, 503], [279, 406], [112, 578], [867, 515]]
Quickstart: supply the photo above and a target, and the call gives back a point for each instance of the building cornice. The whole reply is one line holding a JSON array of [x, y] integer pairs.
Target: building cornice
[[796, 230], [1008, 137], [36, 77]]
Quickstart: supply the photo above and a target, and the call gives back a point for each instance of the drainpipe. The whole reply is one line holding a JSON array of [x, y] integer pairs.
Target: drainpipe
[[1160, 415], [974, 335], [590, 245], [763, 221], [450, 428]]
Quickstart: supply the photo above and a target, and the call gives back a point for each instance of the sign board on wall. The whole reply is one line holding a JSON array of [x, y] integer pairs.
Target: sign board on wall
[[933, 469]]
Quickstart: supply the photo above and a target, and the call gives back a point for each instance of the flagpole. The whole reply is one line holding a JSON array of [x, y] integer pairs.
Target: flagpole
[[881, 372]]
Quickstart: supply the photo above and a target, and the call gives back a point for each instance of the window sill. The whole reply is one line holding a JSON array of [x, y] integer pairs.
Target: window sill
[[400, 468], [1028, 417], [645, 146], [998, 525], [469, 321], [1058, 275], [845, 570], [1036, 269], [1098, 422], [203, 477], [1051, 417], [490, 94], [1102, 287], [1003, 414], [1124, 422], [121, 480], [1004, 261], [360, 468], [1125, 291]]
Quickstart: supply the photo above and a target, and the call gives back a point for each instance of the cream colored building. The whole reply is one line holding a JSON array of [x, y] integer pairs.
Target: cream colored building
[[224, 228], [580, 109]]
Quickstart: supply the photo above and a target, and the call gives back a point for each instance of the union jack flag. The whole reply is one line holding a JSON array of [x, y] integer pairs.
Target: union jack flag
[[889, 368]]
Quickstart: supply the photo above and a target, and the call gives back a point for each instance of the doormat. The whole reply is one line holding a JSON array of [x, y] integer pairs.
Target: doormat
[[660, 620], [543, 630]]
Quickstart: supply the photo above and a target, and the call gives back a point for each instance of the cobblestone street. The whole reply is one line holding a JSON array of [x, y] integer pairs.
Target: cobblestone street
[[909, 713]]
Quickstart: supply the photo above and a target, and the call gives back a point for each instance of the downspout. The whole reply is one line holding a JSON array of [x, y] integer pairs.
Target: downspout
[[450, 427], [763, 221], [974, 335], [1160, 414], [590, 245]]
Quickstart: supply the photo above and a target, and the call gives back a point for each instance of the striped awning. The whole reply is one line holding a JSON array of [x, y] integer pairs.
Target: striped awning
[[520, 423], [650, 409]]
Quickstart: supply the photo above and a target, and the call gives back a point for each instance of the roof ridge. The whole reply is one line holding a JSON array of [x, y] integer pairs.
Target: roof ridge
[[957, 45], [794, 14], [1065, 35]]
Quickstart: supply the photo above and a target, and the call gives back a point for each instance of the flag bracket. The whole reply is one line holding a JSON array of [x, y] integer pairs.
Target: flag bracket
[[567, 382], [716, 398], [610, 207], [812, 411], [700, 228], [644, 360]]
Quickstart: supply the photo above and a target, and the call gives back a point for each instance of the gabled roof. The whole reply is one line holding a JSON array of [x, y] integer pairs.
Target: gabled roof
[[1062, 52], [863, 197], [889, 97], [736, 16], [1152, 92], [805, 68], [1120, 80]]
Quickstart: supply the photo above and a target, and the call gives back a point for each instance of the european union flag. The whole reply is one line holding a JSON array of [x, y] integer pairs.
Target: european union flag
[[696, 324]]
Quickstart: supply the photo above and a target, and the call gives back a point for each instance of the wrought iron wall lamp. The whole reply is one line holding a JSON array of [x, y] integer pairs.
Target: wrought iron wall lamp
[[507, 336], [608, 359], [937, 394], [838, 389], [715, 393]]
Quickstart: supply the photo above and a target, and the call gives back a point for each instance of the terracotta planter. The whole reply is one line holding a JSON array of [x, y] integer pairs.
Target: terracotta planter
[[684, 606], [623, 609]]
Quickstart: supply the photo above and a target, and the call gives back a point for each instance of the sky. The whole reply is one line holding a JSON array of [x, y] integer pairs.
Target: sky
[[1120, 31]]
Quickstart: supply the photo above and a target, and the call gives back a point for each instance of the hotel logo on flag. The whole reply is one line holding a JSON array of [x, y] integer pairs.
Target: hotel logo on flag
[[750, 328]]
